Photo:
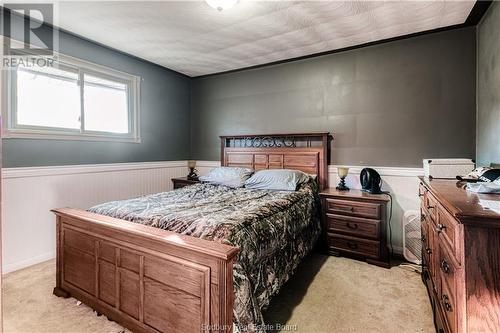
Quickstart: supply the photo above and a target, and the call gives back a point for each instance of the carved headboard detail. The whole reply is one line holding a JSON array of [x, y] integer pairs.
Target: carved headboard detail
[[307, 152]]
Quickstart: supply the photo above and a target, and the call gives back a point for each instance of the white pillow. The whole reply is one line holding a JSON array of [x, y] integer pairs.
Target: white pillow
[[277, 179], [227, 176]]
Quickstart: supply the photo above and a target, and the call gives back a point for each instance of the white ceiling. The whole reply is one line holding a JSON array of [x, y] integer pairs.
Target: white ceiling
[[192, 38]]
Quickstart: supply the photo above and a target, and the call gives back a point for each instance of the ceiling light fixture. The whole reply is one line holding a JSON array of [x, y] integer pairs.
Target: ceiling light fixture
[[221, 4]]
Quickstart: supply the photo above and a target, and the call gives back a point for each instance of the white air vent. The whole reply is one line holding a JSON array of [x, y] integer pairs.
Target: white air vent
[[412, 243]]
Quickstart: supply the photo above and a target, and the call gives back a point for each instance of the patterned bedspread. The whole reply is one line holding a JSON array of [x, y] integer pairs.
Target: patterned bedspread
[[273, 229]]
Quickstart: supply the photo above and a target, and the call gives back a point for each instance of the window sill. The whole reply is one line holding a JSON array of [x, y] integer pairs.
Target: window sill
[[13, 134]]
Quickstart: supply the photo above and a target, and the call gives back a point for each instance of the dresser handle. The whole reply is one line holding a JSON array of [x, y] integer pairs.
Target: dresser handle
[[422, 218], [430, 207], [428, 251], [440, 227], [352, 226], [446, 303], [423, 238], [445, 266], [351, 245]]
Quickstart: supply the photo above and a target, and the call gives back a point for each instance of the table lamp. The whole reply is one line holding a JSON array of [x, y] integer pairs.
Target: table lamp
[[192, 171], [342, 171]]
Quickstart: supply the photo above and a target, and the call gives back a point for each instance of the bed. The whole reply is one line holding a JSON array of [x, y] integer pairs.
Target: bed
[[201, 257]]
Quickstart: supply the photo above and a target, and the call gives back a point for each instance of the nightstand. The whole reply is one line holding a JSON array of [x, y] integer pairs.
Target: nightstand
[[355, 224], [182, 182]]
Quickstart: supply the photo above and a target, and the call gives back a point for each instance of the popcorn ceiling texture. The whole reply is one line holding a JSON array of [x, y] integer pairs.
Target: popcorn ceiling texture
[[192, 38]]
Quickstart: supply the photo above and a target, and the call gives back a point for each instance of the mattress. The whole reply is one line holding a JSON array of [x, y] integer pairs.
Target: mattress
[[274, 230]]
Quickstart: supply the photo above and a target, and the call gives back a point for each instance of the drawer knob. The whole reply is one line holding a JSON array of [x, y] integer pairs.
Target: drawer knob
[[440, 227], [445, 266], [430, 207], [446, 303], [428, 250], [352, 225], [351, 245], [422, 218], [423, 238]]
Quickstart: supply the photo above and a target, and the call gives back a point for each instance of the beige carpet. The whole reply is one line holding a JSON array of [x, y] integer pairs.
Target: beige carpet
[[327, 295]]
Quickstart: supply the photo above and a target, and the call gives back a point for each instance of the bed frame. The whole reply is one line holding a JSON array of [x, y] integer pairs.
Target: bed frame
[[157, 281]]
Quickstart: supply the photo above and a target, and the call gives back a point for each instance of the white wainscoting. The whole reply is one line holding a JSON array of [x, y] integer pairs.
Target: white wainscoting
[[28, 229], [401, 182], [30, 193]]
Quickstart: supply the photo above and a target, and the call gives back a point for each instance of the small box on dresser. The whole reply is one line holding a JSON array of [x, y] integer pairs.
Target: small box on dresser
[[355, 224]]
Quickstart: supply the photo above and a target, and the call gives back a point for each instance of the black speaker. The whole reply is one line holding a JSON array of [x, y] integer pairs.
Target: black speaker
[[370, 181]]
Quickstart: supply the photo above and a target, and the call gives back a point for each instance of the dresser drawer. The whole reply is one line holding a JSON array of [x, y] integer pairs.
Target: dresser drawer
[[422, 193], [447, 269], [430, 205], [355, 226], [426, 251], [448, 229], [353, 208], [364, 247], [448, 307]]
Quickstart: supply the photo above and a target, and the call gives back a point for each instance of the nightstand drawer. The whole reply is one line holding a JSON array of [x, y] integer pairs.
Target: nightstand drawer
[[353, 208], [364, 247], [355, 226]]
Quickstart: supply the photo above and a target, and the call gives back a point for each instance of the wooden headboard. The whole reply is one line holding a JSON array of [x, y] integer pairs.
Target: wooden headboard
[[308, 152]]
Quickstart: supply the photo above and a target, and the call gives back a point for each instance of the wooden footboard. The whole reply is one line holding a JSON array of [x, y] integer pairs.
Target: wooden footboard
[[146, 279]]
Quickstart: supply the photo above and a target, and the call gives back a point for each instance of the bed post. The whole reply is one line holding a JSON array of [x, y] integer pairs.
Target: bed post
[[222, 147], [57, 289], [325, 144]]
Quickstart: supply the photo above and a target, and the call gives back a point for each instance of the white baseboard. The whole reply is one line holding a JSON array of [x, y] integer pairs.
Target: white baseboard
[[27, 262], [397, 249]]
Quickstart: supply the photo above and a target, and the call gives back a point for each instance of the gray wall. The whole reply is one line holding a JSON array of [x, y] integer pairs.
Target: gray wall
[[390, 104], [164, 123], [488, 87]]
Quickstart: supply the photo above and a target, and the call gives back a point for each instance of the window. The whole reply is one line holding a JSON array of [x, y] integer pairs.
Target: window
[[72, 99]]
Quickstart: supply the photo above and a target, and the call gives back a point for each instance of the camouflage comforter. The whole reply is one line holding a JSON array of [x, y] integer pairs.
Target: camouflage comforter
[[273, 229]]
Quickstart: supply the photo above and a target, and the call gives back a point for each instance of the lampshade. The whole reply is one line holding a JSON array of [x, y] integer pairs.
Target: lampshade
[[342, 171], [221, 4], [192, 164]]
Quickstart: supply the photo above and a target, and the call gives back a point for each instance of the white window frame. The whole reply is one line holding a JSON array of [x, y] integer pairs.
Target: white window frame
[[13, 130]]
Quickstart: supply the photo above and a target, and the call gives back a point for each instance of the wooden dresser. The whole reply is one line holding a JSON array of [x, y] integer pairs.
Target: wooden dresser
[[354, 224], [461, 257]]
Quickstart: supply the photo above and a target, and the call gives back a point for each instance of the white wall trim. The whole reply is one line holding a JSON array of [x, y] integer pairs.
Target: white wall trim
[[383, 171], [87, 168], [208, 164]]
